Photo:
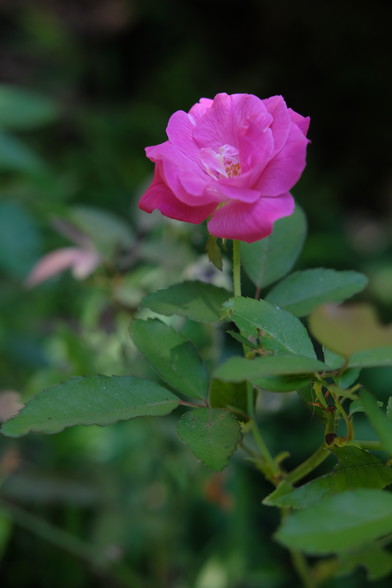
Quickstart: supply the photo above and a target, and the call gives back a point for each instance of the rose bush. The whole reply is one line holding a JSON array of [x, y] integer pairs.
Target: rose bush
[[233, 159]]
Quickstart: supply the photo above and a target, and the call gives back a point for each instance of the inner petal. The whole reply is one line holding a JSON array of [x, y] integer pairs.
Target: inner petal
[[223, 163]]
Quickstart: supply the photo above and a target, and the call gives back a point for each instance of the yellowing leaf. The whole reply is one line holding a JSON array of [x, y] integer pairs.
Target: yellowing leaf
[[349, 329]]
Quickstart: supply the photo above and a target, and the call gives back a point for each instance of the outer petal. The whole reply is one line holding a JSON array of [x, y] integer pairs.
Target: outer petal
[[285, 169], [177, 170], [200, 108], [302, 122], [180, 133], [250, 222], [281, 123], [159, 196]]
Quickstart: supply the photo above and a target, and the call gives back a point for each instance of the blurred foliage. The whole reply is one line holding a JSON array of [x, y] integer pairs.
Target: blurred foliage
[[86, 85]]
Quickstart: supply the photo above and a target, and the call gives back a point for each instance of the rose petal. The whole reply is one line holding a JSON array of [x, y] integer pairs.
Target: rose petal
[[285, 169], [159, 197], [177, 170], [225, 119], [200, 108], [302, 122], [281, 122], [250, 222]]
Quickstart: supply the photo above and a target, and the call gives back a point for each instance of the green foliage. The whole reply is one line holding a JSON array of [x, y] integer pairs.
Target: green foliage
[[257, 317], [302, 292], [105, 229], [21, 109], [211, 434], [376, 357], [228, 395], [376, 560], [379, 420], [195, 300], [16, 156], [93, 400], [172, 356], [272, 258], [357, 469], [20, 240], [342, 522], [238, 369], [214, 252]]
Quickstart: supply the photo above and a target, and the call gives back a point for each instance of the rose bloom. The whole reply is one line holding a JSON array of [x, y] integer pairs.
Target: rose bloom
[[232, 160]]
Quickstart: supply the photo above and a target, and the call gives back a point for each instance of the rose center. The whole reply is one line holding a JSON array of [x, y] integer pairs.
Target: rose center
[[222, 163]]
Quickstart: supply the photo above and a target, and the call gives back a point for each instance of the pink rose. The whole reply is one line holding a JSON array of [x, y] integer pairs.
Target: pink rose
[[233, 159]]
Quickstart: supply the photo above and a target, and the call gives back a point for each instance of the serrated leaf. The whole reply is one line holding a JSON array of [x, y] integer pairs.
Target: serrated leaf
[[338, 523], [214, 252], [22, 109], [91, 400], [358, 469], [238, 369], [269, 259], [197, 301], [378, 419], [228, 395], [302, 292], [347, 330], [211, 434], [172, 356], [253, 317]]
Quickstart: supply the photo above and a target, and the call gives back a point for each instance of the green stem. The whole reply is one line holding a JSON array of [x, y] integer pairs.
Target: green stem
[[308, 465], [236, 268], [302, 568], [374, 445], [268, 465]]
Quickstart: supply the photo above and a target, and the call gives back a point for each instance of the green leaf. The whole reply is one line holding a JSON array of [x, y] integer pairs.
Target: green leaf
[[238, 369], [376, 560], [269, 259], [20, 241], [198, 301], [16, 156], [301, 292], [254, 317], [378, 357], [378, 419], [358, 469], [282, 383], [338, 523], [92, 400], [389, 408], [22, 109], [211, 434], [214, 252], [228, 395], [105, 229], [172, 356]]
